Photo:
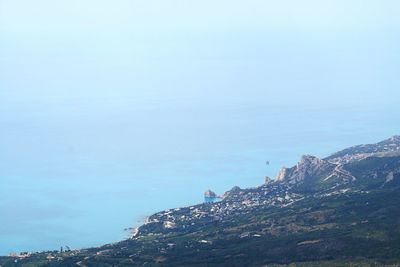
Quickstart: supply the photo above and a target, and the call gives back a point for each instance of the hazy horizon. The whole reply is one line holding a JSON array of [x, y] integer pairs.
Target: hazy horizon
[[107, 104]]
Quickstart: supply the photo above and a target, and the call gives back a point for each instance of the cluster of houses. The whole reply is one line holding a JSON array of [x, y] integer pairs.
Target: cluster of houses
[[234, 202]]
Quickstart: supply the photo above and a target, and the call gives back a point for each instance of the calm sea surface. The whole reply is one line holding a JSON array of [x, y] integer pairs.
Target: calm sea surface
[[80, 178], [113, 110]]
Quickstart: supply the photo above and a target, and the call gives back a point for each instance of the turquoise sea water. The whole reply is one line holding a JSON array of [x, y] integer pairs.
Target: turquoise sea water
[[69, 190], [113, 110]]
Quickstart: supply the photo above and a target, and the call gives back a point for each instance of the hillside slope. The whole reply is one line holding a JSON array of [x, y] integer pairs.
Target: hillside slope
[[341, 209]]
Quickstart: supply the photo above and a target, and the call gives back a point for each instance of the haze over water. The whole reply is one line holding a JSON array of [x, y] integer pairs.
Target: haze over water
[[113, 110]]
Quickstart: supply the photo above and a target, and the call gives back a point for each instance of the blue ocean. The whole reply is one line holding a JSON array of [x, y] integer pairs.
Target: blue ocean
[[81, 180], [113, 110]]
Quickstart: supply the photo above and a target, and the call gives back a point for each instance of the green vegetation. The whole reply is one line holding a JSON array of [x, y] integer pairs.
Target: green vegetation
[[352, 221]]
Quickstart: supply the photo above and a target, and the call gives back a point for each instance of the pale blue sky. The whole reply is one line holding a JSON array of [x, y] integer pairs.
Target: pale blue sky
[[179, 15], [106, 104], [283, 50]]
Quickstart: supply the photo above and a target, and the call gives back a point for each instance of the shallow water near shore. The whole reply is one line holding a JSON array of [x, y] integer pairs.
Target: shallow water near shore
[[113, 110], [86, 194]]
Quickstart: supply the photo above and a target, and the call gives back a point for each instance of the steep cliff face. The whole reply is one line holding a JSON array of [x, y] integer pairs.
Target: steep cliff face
[[345, 167], [331, 208], [281, 175], [310, 170]]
